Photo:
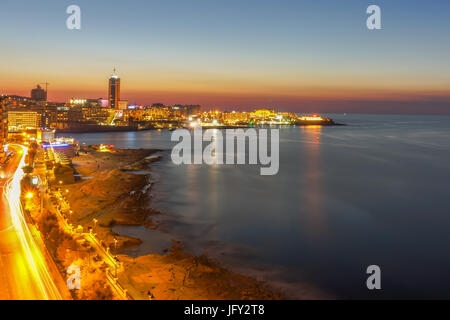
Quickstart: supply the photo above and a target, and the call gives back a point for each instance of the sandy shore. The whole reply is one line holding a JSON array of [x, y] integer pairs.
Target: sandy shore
[[108, 190]]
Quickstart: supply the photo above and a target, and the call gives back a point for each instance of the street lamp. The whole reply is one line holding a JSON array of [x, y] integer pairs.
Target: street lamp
[[115, 244], [95, 223]]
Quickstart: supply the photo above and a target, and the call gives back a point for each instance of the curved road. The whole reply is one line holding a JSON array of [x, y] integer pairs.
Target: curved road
[[24, 271]]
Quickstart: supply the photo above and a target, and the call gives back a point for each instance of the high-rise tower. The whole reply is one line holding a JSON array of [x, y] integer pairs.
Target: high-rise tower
[[3, 124], [114, 91]]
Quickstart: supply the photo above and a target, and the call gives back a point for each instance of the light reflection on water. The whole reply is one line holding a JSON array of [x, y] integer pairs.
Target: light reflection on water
[[312, 181], [373, 192]]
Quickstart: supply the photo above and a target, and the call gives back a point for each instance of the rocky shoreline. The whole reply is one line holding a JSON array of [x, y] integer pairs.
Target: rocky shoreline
[[108, 192]]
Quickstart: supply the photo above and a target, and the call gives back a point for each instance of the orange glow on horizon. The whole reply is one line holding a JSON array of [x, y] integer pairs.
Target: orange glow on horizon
[[237, 92]]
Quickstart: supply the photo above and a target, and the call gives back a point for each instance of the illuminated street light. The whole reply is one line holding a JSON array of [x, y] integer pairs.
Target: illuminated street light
[[29, 195]]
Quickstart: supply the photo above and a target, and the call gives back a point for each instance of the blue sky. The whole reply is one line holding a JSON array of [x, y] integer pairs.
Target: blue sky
[[292, 54]]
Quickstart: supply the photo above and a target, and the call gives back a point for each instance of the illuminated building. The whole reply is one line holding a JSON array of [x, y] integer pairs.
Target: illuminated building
[[85, 102], [231, 118], [103, 103], [48, 118], [314, 117], [186, 110], [263, 113], [77, 101], [114, 92], [22, 120], [62, 114], [38, 94], [314, 120], [17, 101], [45, 135], [98, 115], [46, 114], [3, 124], [65, 116], [122, 105]]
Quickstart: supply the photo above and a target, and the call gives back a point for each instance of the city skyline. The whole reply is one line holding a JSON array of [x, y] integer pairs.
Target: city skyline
[[212, 153], [300, 57]]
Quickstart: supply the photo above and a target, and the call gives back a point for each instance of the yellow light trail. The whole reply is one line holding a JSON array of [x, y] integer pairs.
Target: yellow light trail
[[35, 263]]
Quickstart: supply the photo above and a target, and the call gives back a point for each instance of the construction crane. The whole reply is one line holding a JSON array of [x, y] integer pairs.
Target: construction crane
[[46, 85], [46, 89]]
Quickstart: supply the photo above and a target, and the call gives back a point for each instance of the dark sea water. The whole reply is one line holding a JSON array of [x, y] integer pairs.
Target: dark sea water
[[373, 192]]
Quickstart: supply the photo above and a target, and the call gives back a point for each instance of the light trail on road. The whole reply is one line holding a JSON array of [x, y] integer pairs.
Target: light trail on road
[[22, 263]]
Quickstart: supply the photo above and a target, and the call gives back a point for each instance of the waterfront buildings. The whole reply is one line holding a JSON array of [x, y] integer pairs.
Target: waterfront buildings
[[98, 115], [81, 114], [186, 110], [264, 114], [233, 118]]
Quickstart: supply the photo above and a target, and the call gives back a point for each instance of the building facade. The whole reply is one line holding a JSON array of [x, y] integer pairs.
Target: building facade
[[3, 124], [114, 92], [22, 121], [122, 105], [38, 94]]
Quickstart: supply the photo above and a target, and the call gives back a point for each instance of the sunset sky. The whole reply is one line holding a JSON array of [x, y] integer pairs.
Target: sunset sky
[[307, 56]]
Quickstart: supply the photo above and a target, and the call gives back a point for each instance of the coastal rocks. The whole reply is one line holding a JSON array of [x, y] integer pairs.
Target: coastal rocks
[[114, 196], [151, 159], [130, 242], [134, 167], [141, 165], [178, 275]]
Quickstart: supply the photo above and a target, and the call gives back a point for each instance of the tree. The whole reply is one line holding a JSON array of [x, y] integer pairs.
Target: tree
[[94, 287]]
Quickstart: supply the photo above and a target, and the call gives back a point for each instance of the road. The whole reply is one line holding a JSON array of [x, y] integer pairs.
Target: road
[[24, 272]]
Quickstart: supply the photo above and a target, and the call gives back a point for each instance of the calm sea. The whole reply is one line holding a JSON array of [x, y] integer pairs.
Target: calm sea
[[373, 192]]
